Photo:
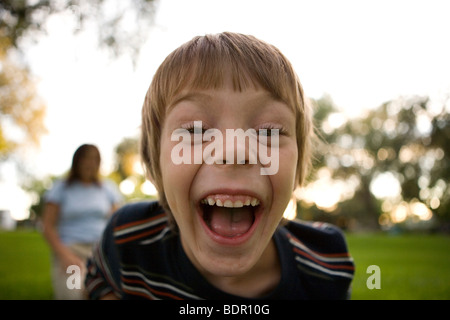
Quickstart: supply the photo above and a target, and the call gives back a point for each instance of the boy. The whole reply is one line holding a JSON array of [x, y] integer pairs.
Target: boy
[[226, 138]]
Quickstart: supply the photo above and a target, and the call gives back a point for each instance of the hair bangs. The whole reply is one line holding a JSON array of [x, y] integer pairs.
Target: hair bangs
[[210, 61]]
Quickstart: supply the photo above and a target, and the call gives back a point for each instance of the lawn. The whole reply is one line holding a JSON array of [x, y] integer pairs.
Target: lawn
[[24, 266], [411, 266]]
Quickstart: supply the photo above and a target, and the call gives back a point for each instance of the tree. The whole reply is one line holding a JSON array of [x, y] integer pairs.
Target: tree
[[121, 25], [128, 172], [127, 155], [404, 140], [22, 110]]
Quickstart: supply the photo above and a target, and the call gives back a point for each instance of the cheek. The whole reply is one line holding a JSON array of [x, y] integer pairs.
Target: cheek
[[283, 183], [173, 178], [288, 167], [177, 180]]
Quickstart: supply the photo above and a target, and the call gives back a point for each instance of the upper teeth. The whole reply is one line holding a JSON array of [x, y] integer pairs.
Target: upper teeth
[[249, 201]]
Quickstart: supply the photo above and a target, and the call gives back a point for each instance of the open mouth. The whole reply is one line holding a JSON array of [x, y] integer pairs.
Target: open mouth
[[229, 216]]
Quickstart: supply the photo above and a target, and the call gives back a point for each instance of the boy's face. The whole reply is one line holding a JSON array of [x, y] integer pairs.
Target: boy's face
[[218, 239]]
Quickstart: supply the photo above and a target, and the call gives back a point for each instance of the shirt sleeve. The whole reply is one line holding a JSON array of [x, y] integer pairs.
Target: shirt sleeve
[[102, 275], [55, 193], [322, 256], [113, 192]]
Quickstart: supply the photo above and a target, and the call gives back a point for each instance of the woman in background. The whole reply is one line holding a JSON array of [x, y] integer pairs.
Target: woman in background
[[75, 214]]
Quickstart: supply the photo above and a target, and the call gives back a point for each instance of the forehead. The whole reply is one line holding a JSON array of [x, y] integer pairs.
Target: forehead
[[256, 95]]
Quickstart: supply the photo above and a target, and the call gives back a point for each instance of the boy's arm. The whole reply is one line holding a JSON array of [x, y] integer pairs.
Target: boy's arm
[[102, 278]]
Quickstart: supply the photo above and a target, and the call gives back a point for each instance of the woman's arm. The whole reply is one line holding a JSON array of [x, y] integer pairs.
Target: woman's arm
[[50, 232]]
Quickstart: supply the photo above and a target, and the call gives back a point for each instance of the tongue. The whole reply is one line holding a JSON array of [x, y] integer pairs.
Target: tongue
[[230, 222]]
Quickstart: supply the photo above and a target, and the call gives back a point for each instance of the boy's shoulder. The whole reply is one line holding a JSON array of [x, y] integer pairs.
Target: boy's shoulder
[[317, 236], [320, 251], [138, 221], [139, 209]]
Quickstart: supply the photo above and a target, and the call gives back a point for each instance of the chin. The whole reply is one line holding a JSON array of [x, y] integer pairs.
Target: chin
[[227, 265]]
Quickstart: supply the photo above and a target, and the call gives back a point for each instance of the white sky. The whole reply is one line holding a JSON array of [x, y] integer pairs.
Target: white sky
[[362, 53]]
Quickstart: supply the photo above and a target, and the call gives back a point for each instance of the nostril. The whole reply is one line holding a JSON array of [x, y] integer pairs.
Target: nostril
[[243, 162], [226, 161]]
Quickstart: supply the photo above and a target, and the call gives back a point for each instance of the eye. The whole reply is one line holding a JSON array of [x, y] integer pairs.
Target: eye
[[196, 127], [270, 131]]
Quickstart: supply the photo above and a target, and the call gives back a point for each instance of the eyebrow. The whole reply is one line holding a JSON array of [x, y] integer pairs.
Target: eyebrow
[[205, 98]]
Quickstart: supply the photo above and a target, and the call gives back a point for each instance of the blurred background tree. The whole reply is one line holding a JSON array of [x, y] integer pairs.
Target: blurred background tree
[[22, 110], [121, 25], [387, 168], [121, 28], [128, 172]]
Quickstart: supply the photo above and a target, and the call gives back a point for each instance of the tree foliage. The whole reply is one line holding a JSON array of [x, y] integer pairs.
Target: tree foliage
[[126, 157], [22, 109], [121, 25], [404, 139]]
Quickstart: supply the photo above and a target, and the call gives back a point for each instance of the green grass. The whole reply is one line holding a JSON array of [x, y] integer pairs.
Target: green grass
[[24, 266], [412, 266]]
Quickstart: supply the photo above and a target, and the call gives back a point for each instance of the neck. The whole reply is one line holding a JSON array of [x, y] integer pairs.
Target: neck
[[87, 180]]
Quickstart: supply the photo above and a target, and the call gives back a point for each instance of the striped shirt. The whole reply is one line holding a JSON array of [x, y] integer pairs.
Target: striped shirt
[[140, 257]]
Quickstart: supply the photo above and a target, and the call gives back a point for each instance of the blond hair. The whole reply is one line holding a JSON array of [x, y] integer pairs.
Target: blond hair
[[202, 63]]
